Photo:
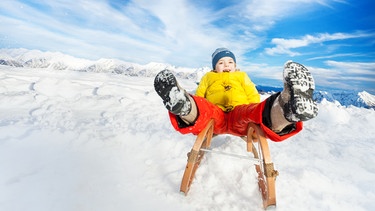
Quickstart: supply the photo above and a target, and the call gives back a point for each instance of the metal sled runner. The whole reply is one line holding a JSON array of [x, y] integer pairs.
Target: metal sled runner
[[256, 144]]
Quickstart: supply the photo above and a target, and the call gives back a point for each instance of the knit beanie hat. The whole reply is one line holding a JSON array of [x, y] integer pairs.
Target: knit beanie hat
[[220, 53]]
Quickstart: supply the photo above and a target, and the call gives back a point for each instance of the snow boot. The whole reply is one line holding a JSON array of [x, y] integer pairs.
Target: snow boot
[[296, 99], [175, 99]]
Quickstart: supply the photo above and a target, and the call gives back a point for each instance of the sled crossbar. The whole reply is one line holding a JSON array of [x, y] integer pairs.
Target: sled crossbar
[[231, 155], [256, 143]]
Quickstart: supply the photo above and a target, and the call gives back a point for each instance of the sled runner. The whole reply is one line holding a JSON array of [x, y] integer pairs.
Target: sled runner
[[256, 144]]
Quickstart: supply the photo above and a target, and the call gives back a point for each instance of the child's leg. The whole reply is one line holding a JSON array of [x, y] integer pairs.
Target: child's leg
[[188, 114], [175, 98], [192, 116], [295, 102], [258, 113], [206, 111]]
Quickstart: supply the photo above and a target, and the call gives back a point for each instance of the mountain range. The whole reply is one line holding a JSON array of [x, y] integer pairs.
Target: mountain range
[[58, 61]]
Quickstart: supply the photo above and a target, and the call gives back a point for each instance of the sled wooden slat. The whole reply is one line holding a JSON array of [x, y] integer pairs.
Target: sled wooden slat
[[195, 156], [266, 172], [265, 168]]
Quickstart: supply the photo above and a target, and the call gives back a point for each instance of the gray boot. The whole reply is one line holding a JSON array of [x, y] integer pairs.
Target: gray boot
[[175, 99], [296, 99]]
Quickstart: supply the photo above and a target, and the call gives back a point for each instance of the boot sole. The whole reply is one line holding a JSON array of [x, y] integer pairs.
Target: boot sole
[[163, 83], [166, 86], [301, 85]]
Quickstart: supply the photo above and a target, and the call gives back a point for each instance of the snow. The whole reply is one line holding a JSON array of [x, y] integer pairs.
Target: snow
[[101, 141]]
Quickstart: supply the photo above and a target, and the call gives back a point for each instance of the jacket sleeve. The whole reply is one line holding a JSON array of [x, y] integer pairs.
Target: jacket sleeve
[[250, 89], [202, 87]]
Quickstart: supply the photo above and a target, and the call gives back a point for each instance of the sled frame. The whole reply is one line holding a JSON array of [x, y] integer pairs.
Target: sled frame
[[265, 168]]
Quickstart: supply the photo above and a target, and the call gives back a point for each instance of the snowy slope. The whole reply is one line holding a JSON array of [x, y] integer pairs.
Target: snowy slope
[[74, 140]]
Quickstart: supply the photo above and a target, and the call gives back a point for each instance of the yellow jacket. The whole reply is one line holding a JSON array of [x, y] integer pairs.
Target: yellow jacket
[[228, 89]]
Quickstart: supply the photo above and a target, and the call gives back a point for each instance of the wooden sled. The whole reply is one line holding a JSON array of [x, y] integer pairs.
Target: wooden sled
[[265, 168]]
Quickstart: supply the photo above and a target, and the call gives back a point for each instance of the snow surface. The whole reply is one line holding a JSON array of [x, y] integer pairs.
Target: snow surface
[[100, 141]]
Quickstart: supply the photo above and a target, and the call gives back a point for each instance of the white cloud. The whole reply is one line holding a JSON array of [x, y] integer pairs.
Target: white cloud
[[265, 14], [141, 31], [176, 32], [354, 68], [346, 75], [284, 46], [336, 55]]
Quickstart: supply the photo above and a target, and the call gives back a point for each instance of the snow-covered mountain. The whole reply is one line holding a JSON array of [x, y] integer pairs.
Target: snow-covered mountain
[[347, 98], [59, 61]]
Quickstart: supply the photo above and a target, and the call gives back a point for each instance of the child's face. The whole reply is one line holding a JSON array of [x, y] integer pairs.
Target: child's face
[[225, 64]]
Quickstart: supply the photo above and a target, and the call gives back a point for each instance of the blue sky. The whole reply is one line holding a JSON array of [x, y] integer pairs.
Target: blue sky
[[335, 39]]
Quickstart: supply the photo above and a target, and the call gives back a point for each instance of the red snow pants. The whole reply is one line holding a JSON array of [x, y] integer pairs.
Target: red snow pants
[[234, 122]]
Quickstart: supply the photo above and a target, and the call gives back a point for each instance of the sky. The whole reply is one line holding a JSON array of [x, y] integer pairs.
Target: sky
[[334, 39]]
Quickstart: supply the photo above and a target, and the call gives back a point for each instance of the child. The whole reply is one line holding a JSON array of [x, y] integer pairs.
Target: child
[[228, 96]]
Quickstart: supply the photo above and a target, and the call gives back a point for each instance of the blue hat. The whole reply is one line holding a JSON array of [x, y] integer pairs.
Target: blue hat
[[220, 53]]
